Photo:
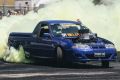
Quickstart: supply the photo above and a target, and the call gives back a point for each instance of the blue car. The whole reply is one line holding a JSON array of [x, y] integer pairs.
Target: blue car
[[63, 40]]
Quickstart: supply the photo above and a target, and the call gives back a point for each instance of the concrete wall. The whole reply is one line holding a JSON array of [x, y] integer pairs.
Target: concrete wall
[[22, 3], [32, 3], [37, 3]]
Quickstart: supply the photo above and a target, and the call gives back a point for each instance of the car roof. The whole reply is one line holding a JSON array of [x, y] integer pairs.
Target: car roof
[[61, 21]]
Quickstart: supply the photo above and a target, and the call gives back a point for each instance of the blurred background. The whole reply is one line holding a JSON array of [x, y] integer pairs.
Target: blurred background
[[22, 7]]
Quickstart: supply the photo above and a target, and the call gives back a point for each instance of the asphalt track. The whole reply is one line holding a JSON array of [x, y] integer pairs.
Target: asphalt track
[[49, 71]]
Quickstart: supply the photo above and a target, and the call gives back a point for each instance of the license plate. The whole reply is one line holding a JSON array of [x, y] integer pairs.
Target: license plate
[[99, 54]]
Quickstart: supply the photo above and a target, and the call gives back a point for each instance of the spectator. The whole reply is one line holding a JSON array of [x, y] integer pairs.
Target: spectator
[[8, 13], [1, 14], [24, 11], [35, 9], [26, 7]]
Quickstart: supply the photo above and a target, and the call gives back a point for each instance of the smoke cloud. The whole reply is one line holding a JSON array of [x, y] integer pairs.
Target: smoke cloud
[[103, 19]]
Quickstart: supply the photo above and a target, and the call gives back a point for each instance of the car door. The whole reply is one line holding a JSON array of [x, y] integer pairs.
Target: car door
[[43, 46]]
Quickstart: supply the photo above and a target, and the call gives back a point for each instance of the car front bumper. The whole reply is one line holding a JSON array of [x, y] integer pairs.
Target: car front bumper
[[79, 55]]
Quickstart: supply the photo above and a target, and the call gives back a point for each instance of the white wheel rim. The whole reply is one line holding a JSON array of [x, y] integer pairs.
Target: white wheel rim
[[59, 52]]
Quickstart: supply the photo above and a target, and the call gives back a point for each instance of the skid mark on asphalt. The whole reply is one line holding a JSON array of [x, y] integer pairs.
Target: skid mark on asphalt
[[23, 75]]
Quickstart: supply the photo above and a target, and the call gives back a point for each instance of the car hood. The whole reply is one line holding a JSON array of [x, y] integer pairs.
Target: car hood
[[93, 42]]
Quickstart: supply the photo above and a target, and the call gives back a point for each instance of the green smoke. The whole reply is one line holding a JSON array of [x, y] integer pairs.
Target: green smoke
[[13, 55]]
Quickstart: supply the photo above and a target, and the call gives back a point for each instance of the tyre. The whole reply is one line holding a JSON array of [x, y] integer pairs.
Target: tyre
[[27, 54], [21, 48], [105, 64], [59, 52]]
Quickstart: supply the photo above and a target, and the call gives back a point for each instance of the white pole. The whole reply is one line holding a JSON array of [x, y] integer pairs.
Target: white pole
[[3, 7]]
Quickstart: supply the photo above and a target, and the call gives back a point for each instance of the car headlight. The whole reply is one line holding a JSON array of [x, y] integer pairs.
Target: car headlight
[[109, 46], [81, 46]]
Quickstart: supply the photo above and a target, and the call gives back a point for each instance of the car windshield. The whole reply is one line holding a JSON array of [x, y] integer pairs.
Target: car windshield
[[66, 29]]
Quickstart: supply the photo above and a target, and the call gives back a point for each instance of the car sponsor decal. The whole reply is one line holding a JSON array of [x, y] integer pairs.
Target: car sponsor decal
[[72, 34]]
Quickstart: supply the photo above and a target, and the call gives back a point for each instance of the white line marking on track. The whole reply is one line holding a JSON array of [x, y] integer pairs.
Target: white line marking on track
[[22, 75]]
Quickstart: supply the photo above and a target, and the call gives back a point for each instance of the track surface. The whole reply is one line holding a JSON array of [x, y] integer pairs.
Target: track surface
[[49, 71]]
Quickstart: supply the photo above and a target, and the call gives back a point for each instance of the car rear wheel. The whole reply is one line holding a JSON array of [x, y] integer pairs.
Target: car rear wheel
[[27, 54], [21, 48], [105, 64], [59, 52]]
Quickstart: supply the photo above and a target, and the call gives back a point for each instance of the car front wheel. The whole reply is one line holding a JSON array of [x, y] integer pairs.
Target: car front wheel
[[59, 52]]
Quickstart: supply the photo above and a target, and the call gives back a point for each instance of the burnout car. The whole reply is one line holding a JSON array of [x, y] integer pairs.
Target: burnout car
[[64, 40]]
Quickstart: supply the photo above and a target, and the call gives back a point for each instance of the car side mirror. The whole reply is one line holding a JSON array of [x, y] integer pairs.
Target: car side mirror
[[46, 35], [95, 34]]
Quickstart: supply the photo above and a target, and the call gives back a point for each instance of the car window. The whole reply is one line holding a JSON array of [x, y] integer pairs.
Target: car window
[[65, 29], [44, 29], [37, 29]]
